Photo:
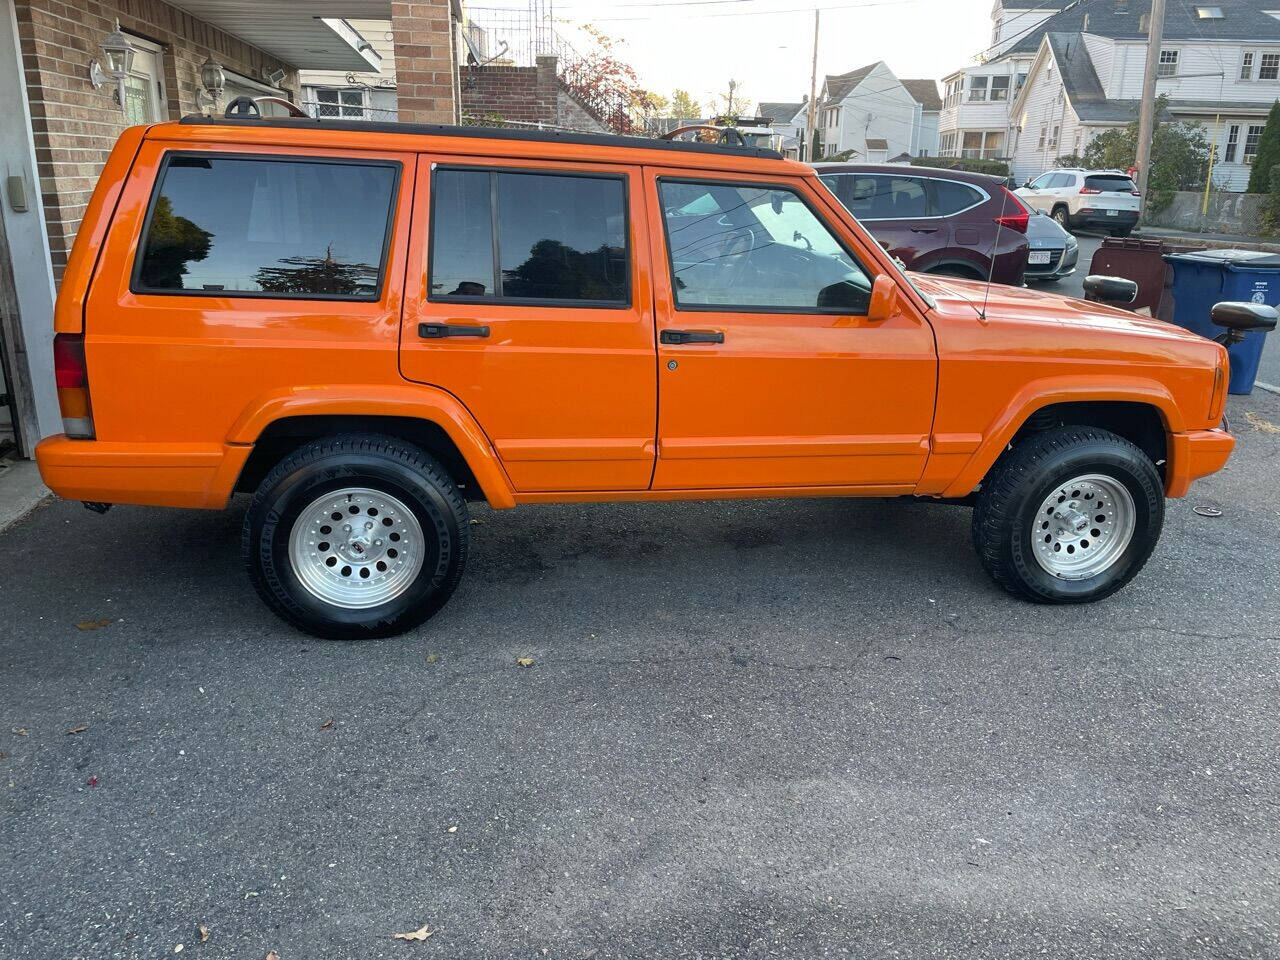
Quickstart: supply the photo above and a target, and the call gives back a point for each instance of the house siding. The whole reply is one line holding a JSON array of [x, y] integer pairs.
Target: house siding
[[74, 125], [1045, 105], [879, 107]]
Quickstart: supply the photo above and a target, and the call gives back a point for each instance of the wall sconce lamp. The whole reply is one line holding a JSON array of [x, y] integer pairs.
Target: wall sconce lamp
[[117, 54], [213, 80]]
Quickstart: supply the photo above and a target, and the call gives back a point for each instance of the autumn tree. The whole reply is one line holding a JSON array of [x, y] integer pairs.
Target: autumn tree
[[606, 84], [683, 105]]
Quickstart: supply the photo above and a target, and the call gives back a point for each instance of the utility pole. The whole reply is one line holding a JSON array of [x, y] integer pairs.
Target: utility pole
[[811, 119], [1147, 109]]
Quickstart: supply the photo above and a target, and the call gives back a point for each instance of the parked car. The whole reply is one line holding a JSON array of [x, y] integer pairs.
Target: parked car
[[1086, 199], [521, 317], [1054, 252], [947, 222]]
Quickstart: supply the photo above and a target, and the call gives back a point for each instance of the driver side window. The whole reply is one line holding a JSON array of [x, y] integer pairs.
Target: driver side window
[[756, 248]]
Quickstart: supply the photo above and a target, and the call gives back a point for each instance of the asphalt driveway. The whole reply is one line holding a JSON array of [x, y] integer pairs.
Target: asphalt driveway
[[787, 728]]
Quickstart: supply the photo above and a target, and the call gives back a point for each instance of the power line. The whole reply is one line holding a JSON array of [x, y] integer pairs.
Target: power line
[[753, 13]]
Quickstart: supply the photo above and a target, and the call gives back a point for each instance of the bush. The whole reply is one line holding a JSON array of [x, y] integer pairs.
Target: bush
[[1260, 177], [997, 168], [1271, 209]]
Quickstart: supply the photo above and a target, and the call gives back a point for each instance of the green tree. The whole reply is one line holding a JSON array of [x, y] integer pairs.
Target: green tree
[[683, 105], [1268, 153], [172, 243], [1179, 155]]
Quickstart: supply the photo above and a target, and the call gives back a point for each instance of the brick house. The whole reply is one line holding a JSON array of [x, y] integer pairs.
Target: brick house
[[62, 116]]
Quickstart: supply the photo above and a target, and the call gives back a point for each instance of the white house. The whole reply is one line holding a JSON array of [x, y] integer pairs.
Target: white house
[[788, 122], [926, 94], [1219, 66], [870, 112], [369, 95]]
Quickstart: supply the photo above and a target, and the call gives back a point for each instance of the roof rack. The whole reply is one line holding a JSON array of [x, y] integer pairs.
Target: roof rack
[[479, 133]]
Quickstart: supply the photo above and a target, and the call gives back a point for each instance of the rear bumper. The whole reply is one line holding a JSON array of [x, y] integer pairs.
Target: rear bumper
[[1196, 454], [1100, 218], [198, 475]]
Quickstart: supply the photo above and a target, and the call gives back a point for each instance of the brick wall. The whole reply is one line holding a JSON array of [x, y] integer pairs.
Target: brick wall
[[522, 94], [75, 125], [424, 60]]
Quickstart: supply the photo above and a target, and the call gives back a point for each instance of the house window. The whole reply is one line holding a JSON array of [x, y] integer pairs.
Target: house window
[[1022, 82], [1000, 88], [831, 117], [947, 145], [1044, 133], [340, 103], [983, 145], [529, 236], [1269, 68], [1246, 66], [977, 89], [1168, 66], [1251, 143], [1233, 144], [1053, 139]]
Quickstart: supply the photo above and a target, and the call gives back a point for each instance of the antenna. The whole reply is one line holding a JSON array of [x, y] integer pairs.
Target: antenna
[[995, 245]]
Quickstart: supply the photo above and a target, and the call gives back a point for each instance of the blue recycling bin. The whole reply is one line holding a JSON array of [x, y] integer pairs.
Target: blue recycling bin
[[1206, 277]]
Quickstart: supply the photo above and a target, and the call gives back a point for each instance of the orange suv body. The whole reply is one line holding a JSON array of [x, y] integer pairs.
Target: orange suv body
[[553, 318]]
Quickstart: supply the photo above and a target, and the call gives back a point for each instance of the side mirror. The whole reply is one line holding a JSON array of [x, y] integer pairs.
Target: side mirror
[[884, 299], [1244, 317], [1110, 289]]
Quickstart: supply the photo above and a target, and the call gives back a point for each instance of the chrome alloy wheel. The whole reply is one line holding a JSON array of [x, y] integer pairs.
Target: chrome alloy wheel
[[1083, 527], [356, 548]]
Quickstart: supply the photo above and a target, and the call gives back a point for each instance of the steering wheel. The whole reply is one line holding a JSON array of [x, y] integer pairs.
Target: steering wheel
[[740, 245]]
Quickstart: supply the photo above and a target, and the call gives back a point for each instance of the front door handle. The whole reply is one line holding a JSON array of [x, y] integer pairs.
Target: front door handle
[[924, 229], [691, 336], [435, 331]]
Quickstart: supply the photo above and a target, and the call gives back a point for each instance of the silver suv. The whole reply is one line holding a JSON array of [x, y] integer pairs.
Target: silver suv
[[1089, 199]]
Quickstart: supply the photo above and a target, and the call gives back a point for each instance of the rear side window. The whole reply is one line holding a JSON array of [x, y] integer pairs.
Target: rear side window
[[870, 197], [529, 237], [1110, 184], [258, 227], [951, 197]]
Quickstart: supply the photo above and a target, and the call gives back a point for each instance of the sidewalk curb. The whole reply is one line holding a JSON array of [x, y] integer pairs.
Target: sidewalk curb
[[1213, 243], [21, 492]]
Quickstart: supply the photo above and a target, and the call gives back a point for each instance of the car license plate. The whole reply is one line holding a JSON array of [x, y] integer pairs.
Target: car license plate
[[1039, 257], [1113, 213]]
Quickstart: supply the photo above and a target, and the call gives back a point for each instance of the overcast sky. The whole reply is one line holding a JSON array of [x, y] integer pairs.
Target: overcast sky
[[767, 45]]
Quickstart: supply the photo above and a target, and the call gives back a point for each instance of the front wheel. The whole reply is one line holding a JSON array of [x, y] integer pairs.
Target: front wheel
[[355, 537], [1063, 216], [1068, 516]]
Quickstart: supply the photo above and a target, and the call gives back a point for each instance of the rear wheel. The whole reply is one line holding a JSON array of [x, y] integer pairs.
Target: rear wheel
[[1068, 516], [355, 537]]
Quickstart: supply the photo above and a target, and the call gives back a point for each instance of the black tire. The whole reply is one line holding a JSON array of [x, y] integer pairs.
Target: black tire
[[377, 462], [1122, 232], [1008, 505], [1063, 216]]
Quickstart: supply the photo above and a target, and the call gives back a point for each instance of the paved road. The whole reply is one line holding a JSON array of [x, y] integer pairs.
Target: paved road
[[789, 728], [1268, 371]]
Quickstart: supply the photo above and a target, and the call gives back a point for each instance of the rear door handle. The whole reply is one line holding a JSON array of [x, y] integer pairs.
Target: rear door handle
[[691, 336], [436, 331], [924, 229]]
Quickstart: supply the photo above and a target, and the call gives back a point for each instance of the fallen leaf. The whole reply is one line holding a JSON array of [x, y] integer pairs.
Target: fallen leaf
[[454, 828], [432, 658], [327, 725], [204, 933], [271, 955], [95, 624], [422, 933], [92, 781], [80, 729], [178, 948], [1258, 423], [21, 731], [524, 661]]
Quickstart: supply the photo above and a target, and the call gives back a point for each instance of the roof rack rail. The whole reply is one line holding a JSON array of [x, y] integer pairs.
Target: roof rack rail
[[485, 133]]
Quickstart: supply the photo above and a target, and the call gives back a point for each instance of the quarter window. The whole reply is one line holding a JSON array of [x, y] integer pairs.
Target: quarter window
[[951, 197], [268, 227], [746, 247], [529, 237]]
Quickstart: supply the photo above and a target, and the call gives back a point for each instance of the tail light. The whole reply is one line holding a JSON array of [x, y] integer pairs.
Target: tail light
[[1088, 191], [72, 377], [1014, 221]]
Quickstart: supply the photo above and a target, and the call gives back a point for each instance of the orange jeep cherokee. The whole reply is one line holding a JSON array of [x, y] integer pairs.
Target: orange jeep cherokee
[[367, 325]]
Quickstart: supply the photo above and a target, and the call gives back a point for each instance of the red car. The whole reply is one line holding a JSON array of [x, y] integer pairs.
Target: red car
[[937, 221]]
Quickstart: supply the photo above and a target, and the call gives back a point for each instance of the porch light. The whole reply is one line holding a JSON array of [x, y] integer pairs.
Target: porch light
[[214, 80], [117, 58]]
